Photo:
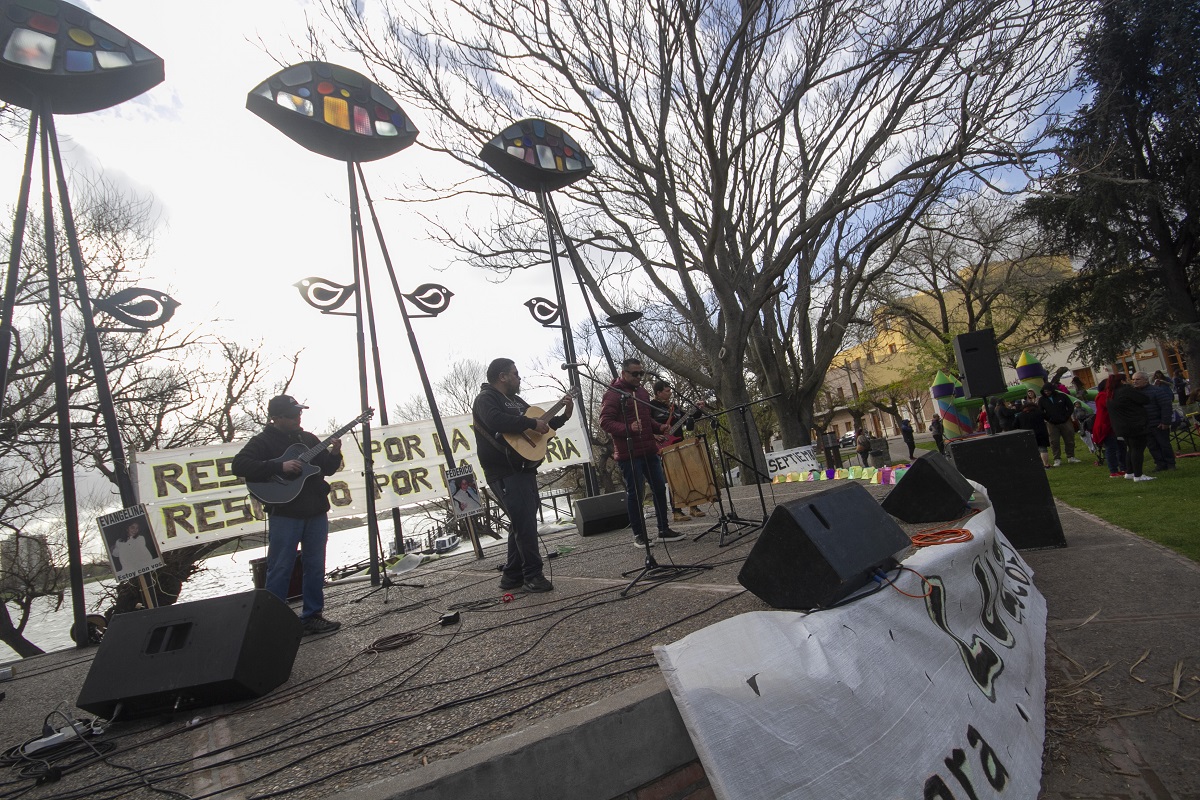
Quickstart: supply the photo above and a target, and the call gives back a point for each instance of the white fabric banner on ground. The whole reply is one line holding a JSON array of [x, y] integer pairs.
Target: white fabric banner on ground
[[888, 696], [192, 497]]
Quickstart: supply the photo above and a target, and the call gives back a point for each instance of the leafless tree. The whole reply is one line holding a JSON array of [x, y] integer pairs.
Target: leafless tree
[[970, 265], [170, 387], [758, 163]]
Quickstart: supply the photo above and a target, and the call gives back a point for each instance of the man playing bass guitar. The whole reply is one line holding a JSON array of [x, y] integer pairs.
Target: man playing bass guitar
[[665, 412]]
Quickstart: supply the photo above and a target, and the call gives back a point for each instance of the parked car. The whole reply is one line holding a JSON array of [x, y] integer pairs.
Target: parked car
[[847, 440]]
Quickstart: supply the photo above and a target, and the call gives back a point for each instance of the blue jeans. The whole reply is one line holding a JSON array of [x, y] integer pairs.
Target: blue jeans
[[518, 495], [636, 471], [311, 534], [1114, 453]]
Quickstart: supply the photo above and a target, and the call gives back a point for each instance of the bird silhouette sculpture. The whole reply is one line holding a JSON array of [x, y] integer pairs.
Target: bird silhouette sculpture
[[546, 312], [138, 308], [324, 295], [432, 298]]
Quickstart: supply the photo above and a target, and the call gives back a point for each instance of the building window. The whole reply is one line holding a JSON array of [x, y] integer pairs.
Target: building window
[[854, 390], [892, 349], [841, 394], [870, 357]]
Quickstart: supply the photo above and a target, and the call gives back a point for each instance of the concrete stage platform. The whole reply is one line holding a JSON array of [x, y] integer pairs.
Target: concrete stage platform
[[558, 696]]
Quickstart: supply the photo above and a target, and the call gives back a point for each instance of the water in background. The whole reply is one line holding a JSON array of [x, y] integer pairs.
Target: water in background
[[50, 629]]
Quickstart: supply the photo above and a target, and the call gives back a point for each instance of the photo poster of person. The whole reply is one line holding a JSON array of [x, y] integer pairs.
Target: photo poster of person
[[464, 492], [132, 548]]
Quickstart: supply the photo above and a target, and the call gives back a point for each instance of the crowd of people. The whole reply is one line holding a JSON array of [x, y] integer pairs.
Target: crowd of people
[[1129, 416]]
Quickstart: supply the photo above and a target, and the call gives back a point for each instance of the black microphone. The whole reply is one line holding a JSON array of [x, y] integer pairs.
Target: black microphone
[[572, 364]]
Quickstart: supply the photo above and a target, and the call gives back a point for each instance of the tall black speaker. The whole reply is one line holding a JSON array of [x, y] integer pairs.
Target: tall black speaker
[[604, 512], [1009, 466], [187, 655], [816, 550], [931, 491], [979, 363]]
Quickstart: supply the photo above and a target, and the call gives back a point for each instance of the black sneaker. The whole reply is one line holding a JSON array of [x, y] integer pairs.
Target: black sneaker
[[538, 584], [318, 624], [640, 541], [670, 536], [511, 583]]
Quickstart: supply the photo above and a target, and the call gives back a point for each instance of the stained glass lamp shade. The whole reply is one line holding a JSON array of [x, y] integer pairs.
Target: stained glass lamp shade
[[59, 52], [537, 156], [333, 111]]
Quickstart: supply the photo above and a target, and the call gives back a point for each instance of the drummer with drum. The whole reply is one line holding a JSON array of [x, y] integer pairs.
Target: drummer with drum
[[665, 412]]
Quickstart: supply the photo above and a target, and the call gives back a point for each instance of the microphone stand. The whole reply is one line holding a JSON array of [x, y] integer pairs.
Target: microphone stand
[[652, 570], [724, 521]]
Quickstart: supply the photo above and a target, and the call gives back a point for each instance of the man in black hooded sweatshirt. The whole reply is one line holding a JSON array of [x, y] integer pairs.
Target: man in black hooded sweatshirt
[[498, 409]]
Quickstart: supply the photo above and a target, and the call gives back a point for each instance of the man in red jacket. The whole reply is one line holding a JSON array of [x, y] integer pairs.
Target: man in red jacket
[[625, 416]]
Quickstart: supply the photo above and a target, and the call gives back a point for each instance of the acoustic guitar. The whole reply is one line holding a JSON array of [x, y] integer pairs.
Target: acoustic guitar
[[282, 489], [529, 444]]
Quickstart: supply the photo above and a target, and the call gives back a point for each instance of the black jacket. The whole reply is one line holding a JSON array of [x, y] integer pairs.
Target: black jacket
[[1127, 411], [254, 463], [1056, 407], [494, 413]]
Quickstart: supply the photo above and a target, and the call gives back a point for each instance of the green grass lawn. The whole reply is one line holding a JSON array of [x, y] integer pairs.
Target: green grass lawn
[[1164, 510]]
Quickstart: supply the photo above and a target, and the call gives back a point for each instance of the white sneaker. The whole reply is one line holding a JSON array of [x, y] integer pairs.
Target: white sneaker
[[1144, 478], [1073, 460], [1129, 476], [1057, 463]]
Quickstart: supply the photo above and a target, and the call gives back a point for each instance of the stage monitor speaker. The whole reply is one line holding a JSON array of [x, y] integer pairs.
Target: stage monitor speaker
[[979, 363], [604, 512], [931, 491], [188, 655], [814, 551], [1009, 466]]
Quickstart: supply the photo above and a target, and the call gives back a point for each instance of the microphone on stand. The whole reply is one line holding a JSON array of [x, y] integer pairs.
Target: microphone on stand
[[572, 365]]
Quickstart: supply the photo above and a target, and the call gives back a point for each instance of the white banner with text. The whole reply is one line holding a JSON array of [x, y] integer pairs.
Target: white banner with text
[[192, 497], [941, 696]]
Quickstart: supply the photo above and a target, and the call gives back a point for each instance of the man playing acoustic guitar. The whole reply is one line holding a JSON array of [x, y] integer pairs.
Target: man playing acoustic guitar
[[499, 410], [302, 521], [664, 412]]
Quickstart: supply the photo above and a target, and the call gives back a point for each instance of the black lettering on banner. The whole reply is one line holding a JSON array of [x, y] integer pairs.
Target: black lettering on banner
[[197, 474], [936, 789], [560, 448], [407, 481], [961, 770], [339, 494], [176, 517], [993, 770], [225, 471], [983, 664], [166, 476], [989, 614]]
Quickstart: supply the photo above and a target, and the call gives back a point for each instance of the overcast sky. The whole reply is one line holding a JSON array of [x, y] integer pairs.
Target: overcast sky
[[247, 212]]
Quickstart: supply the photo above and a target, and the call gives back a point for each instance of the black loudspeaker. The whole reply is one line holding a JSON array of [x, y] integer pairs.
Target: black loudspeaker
[[187, 655], [604, 512], [816, 550], [1009, 467], [979, 363], [931, 491]]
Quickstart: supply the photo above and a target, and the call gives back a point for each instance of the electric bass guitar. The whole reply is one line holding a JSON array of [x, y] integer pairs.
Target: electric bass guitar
[[282, 489], [671, 437], [529, 444]]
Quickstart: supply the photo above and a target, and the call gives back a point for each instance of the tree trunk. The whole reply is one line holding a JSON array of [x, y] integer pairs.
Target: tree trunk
[[13, 638]]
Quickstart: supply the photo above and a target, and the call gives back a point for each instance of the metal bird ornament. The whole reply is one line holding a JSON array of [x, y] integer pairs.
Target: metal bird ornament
[[138, 308], [432, 298], [324, 295], [545, 312]]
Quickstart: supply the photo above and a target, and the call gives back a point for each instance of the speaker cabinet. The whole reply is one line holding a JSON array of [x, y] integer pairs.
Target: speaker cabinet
[[931, 491], [604, 512], [189, 655], [979, 363], [1009, 467], [816, 550]]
